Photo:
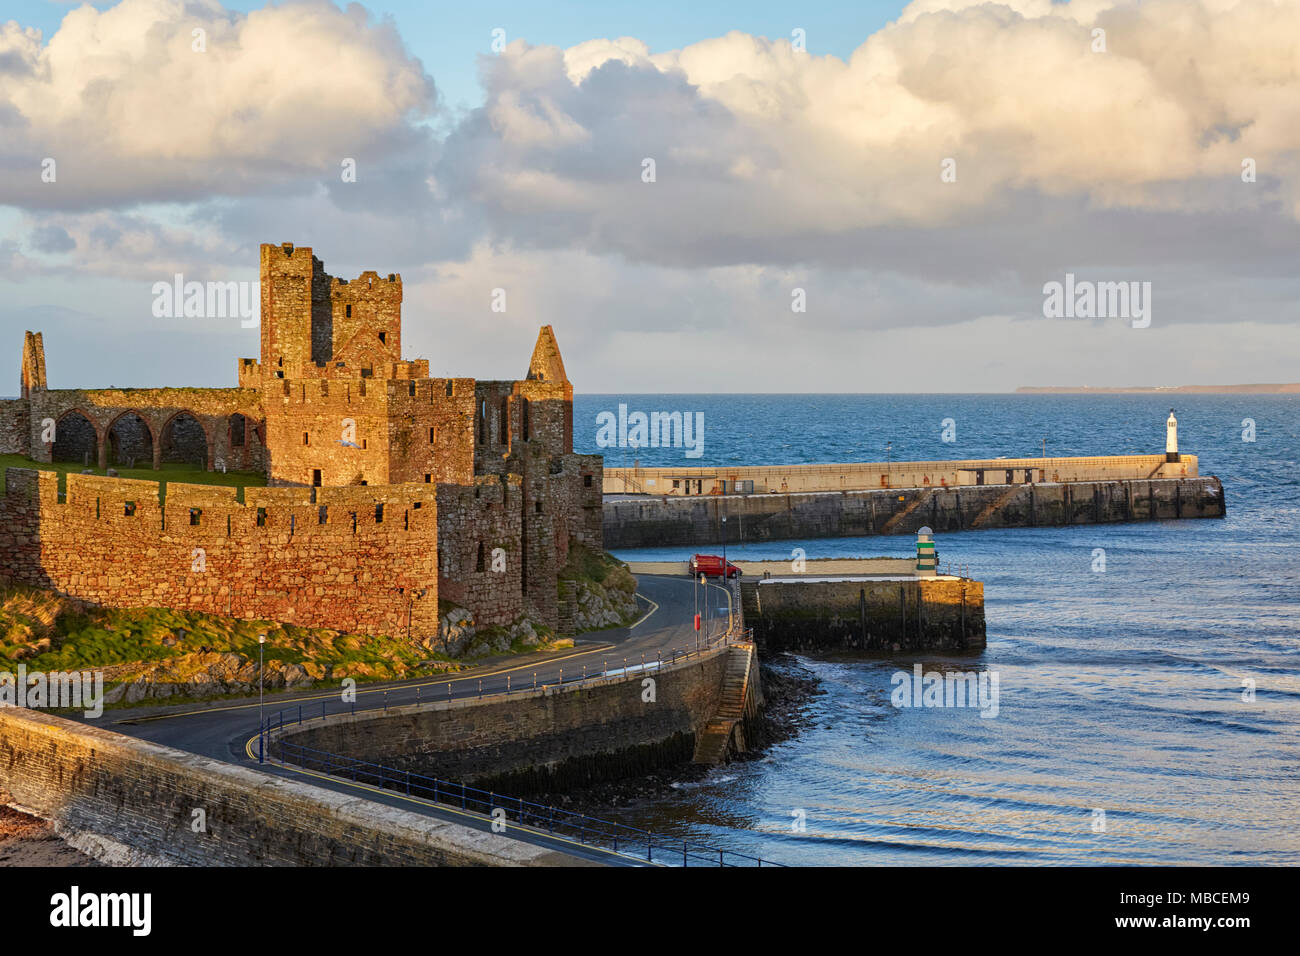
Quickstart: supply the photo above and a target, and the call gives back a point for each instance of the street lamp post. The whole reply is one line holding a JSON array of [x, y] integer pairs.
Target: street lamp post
[[726, 581], [704, 584], [261, 721], [695, 593], [724, 548]]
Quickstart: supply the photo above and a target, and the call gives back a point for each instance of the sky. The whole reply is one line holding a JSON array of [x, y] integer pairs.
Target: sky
[[815, 197]]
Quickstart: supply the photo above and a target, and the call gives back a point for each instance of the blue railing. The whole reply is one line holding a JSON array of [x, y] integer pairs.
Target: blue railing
[[554, 821], [297, 713], [537, 817]]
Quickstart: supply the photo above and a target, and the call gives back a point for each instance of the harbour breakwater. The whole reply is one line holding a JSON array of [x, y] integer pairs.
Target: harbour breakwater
[[812, 613], [696, 521]]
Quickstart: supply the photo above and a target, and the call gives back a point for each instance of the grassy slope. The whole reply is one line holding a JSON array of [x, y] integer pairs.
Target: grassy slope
[[187, 473], [46, 632]]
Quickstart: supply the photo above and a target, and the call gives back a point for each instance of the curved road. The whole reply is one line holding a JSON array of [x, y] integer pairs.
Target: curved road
[[227, 730]]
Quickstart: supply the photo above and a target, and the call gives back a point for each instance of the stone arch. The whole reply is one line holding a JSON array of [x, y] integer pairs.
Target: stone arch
[[129, 438], [184, 439], [75, 438]]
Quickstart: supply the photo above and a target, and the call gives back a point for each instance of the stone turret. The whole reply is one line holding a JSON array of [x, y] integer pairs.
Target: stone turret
[[546, 364]]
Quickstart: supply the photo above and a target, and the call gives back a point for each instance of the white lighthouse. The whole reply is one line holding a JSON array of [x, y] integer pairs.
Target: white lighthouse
[[1171, 438]]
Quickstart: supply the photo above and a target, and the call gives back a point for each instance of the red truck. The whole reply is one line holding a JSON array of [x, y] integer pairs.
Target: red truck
[[711, 565]]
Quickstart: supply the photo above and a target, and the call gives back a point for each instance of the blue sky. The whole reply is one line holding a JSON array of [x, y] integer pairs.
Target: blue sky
[[899, 195]]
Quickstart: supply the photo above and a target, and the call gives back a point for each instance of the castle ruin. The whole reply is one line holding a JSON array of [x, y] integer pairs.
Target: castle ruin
[[387, 489]]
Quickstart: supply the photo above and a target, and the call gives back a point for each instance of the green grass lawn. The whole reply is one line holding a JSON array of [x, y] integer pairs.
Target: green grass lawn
[[188, 473]]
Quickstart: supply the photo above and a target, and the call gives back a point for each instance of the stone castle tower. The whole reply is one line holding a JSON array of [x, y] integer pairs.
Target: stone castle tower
[[331, 404]]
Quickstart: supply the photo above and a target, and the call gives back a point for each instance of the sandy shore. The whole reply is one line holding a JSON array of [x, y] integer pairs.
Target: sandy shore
[[28, 841]]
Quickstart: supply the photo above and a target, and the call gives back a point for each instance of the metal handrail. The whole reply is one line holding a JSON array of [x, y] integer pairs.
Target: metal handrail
[[589, 830]]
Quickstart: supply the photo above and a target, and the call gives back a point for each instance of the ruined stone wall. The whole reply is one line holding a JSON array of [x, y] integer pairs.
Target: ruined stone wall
[[317, 326], [473, 520], [351, 559], [287, 276], [494, 411], [561, 503], [508, 414], [544, 543], [366, 319], [590, 500], [104, 786], [432, 431], [32, 372], [412, 430], [571, 490], [15, 426], [111, 413], [549, 408], [339, 428]]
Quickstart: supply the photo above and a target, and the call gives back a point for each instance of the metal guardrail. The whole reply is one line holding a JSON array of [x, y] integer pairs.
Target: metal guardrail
[[655, 664], [539, 818], [554, 821]]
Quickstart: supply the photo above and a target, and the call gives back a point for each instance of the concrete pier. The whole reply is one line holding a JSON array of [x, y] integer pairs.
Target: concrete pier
[[865, 613], [695, 521], [862, 476]]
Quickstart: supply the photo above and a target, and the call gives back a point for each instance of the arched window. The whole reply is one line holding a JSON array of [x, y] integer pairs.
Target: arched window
[[185, 440], [75, 439], [130, 441]]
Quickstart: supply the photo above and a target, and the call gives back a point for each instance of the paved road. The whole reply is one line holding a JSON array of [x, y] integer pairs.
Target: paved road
[[227, 730]]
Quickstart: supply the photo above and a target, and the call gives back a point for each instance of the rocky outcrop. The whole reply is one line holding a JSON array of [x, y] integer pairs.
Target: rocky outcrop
[[215, 674], [597, 606], [459, 637], [596, 591]]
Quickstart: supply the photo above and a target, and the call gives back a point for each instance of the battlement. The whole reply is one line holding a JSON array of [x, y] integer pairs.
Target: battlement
[[286, 257], [190, 509], [359, 559], [323, 394], [250, 373], [366, 284]]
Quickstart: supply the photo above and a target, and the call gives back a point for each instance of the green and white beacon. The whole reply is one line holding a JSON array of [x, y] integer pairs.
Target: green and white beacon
[[926, 560]]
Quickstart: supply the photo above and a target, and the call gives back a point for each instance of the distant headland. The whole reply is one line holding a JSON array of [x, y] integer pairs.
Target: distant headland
[[1292, 388]]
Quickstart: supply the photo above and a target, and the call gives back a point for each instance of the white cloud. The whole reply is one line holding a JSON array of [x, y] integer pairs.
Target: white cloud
[[756, 139], [131, 111], [775, 168]]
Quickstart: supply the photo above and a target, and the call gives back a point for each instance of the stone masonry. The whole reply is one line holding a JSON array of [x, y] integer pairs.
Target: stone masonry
[[389, 489]]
